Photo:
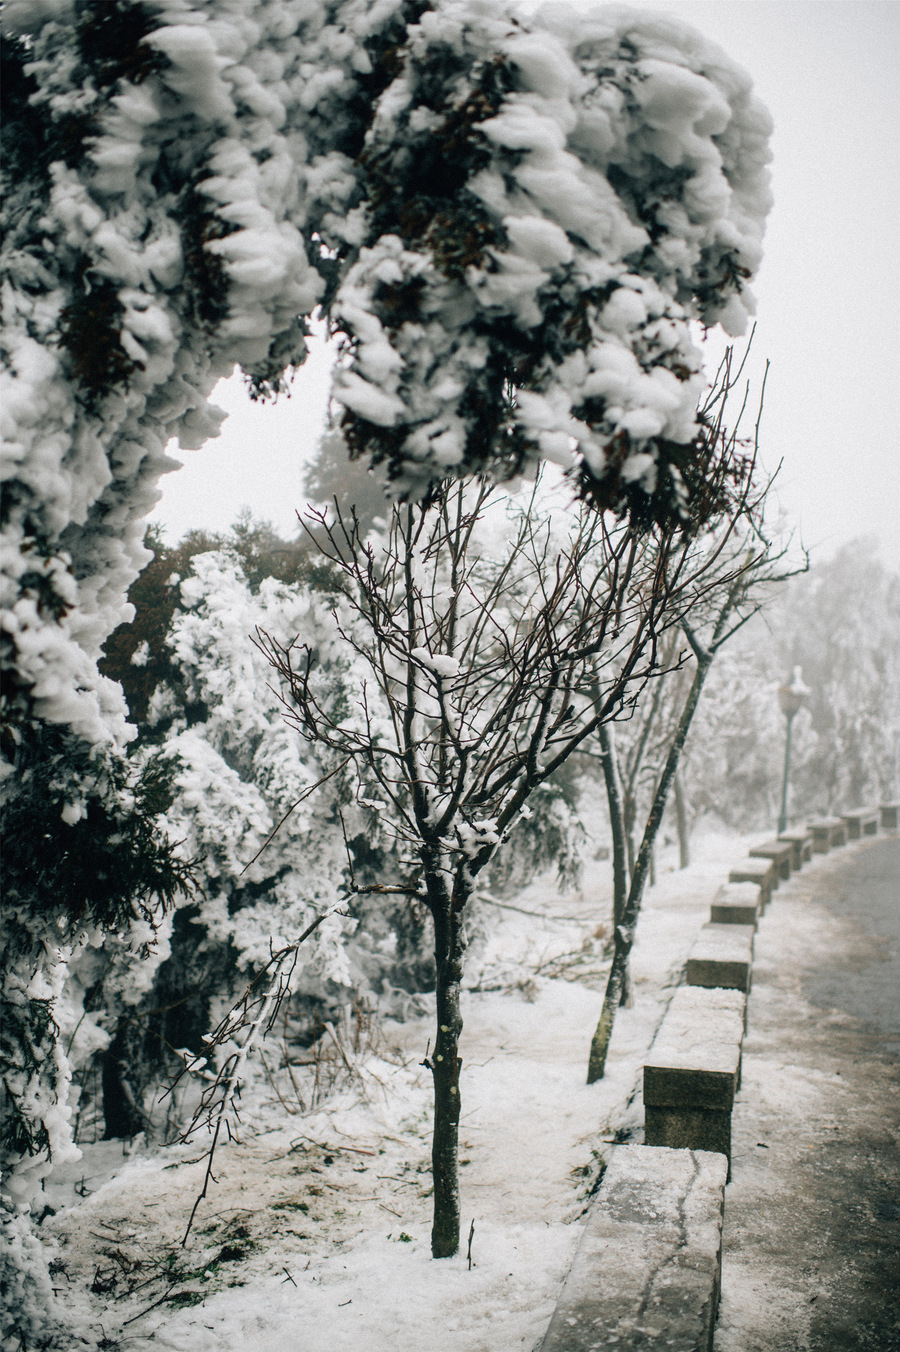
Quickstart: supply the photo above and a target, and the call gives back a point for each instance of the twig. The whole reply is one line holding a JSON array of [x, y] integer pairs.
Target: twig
[[267, 1000], [207, 1176], [537, 915], [291, 1112], [304, 795], [162, 1300], [471, 1233]]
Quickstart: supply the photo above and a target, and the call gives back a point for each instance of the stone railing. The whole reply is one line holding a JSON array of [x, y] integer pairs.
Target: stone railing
[[648, 1270]]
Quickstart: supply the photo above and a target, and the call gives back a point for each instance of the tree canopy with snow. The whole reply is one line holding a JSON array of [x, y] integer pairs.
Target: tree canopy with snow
[[512, 222]]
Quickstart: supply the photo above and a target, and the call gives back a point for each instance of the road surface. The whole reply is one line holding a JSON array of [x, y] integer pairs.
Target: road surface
[[811, 1257]]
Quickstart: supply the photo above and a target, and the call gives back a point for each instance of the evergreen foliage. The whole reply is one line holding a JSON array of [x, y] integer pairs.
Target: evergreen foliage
[[84, 851]]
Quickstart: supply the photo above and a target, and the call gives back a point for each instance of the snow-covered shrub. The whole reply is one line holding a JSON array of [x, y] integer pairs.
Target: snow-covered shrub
[[241, 776], [85, 857], [84, 841]]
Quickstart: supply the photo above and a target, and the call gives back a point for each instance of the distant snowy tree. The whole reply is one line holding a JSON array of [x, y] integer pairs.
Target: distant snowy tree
[[841, 625]]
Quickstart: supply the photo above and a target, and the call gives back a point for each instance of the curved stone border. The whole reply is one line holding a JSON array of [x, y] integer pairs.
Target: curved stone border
[[647, 1270]]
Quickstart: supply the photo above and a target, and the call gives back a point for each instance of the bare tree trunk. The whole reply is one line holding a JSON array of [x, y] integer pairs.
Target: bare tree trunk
[[610, 765], [629, 814], [624, 936], [681, 823], [449, 947], [622, 845]]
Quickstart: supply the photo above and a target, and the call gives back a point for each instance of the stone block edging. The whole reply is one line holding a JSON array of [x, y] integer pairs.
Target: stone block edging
[[861, 822], [692, 1071], [801, 845], [648, 1268], [735, 904], [827, 834], [758, 871], [722, 956], [779, 852], [647, 1272]]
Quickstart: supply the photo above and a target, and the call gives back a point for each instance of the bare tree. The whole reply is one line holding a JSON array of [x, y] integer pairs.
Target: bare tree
[[488, 669], [743, 565]]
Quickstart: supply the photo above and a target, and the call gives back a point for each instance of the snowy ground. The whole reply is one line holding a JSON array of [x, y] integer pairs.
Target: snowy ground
[[315, 1236]]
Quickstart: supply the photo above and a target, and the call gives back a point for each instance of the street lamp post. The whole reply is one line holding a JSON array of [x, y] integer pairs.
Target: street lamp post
[[790, 698]]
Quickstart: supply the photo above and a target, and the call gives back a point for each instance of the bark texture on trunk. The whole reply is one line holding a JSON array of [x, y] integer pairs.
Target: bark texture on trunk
[[624, 936], [622, 845], [681, 822], [609, 761], [449, 947]]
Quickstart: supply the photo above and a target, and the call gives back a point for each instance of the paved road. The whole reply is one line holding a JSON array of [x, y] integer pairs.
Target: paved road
[[812, 1215], [863, 887]]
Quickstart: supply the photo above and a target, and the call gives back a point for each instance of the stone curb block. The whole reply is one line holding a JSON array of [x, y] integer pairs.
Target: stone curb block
[[862, 821], [735, 904], [890, 812], [801, 844], [648, 1268], [692, 1071], [827, 834], [779, 852], [722, 956], [761, 873]]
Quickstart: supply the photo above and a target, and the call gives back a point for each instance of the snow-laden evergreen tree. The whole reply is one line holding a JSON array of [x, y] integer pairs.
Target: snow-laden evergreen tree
[[267, 861], [512, 222]]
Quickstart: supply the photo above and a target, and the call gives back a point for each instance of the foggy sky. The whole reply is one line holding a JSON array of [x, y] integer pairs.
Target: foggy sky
[[828, 293]]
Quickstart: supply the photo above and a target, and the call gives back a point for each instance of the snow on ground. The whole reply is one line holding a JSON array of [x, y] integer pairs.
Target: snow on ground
[[315, 1236]]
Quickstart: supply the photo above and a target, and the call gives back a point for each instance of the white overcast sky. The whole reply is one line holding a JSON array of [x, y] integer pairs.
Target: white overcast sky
[[828, 292]]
